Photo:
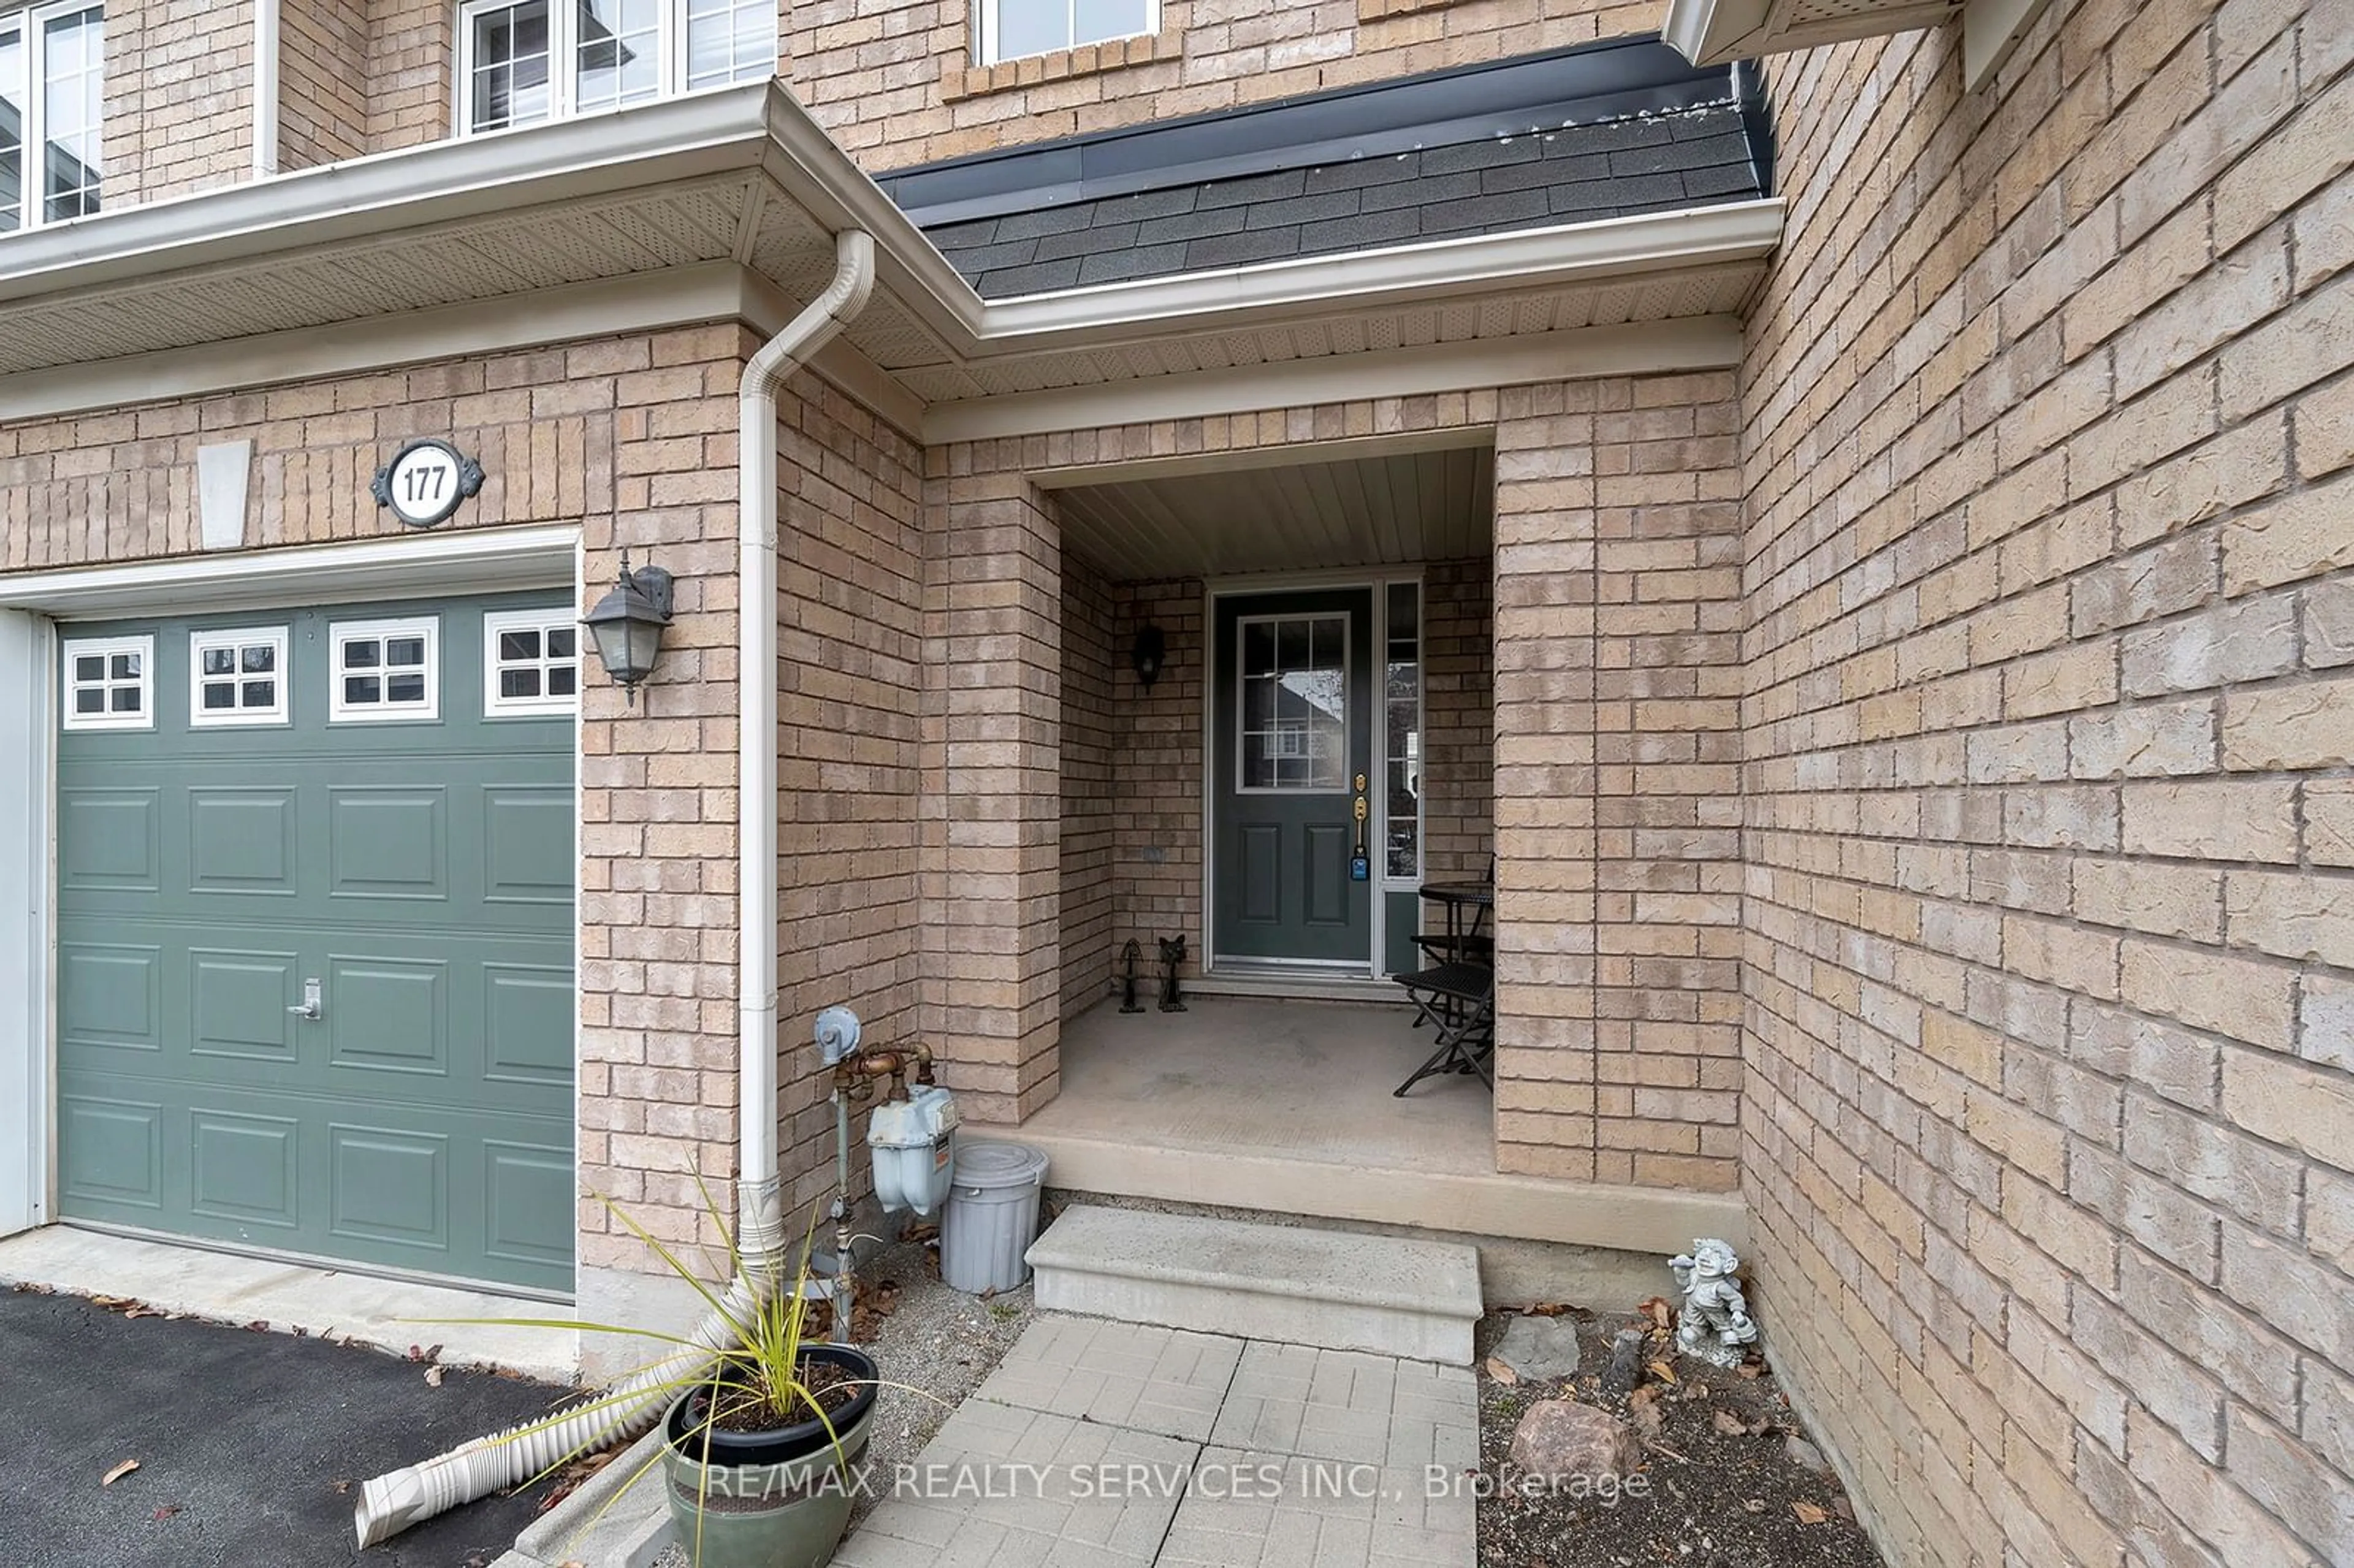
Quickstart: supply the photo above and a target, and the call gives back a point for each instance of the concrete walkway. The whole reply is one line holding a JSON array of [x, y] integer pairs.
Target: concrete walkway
[[1103, 1443]]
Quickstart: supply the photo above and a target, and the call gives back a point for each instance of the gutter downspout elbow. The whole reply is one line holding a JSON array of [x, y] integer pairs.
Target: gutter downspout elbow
[[760, 1204], [392, 1502]]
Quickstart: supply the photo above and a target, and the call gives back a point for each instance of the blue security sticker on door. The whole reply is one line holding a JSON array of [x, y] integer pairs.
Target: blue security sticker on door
[[1360, 868]]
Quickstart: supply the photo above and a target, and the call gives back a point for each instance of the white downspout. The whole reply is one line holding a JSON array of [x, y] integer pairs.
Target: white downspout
[[760, 1204], [265, 89], [391, 1503]]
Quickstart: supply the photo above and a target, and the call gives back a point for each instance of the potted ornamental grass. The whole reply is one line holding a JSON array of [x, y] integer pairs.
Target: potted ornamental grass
[[760, 1434], [757, 1450]]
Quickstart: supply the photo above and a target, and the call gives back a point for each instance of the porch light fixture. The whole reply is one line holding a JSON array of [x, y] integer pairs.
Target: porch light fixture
[[627, 625], [1146, 657]]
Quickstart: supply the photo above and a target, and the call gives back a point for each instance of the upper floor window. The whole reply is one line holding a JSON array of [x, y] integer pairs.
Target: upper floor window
[[52, 66], [523, 61], [1012, 29]]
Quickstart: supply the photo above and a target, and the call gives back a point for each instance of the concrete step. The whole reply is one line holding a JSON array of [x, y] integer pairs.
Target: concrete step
[[1335, 1291]]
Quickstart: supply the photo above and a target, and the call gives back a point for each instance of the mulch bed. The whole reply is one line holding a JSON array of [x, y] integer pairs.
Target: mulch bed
[[1722, 1484]]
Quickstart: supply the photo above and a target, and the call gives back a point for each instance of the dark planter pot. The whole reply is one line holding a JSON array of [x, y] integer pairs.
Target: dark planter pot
[[767, 1499]]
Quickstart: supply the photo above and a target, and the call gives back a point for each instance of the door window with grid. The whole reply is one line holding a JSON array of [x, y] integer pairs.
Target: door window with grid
[[1294, 711]]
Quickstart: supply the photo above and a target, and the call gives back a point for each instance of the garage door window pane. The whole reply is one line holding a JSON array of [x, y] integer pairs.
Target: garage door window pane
[[384, 670], [108, 683], [530, 663], [222, 666]]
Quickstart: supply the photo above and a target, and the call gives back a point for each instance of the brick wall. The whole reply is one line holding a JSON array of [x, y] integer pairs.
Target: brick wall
[[1459, 720], [1616, 783], [1096, 682], [895, 82], [410, 60], [992, 782], [2048, 1121], [323, 83], [179, 98], [850, 712], [623, 435], [1157, 798]]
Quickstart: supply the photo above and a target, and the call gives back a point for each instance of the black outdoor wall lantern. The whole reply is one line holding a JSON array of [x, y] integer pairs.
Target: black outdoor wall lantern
[[627, 625], [1151, 648]]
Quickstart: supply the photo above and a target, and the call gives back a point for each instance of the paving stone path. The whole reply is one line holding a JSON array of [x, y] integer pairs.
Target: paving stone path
[[1111, 1443]]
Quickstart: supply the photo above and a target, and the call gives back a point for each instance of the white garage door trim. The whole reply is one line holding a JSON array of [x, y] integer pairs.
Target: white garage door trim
[[468, 561]]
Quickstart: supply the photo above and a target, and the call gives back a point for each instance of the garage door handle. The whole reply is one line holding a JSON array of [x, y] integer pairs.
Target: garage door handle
[[310, 1007]]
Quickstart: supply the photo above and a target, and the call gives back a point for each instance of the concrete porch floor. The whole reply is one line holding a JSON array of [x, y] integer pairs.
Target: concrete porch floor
[[1284, 1107]]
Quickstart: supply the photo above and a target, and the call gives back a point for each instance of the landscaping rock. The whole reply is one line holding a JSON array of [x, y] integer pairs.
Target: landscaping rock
[[1626, 1363], [1804, 1455], [1540, 1347], [1559, 1438]]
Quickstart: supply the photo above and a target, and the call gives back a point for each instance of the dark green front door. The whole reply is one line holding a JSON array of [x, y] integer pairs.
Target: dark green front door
[[1292, 744], [314, 944]]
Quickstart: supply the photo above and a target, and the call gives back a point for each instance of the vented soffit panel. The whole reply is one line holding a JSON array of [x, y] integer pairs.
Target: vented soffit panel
[[1715, 32]]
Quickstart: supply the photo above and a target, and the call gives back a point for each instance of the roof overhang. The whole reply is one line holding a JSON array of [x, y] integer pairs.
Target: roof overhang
[[744, 178], [1715, 32]]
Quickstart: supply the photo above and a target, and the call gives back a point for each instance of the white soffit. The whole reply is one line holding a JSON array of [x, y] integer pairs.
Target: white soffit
[[1715, 32], [282, 279]]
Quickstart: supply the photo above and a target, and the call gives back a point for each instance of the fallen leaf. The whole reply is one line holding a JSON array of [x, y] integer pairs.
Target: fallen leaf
[[1754, 1505], [1663, 1372], [1695, 1391], [1657, 1310], [1502, 1373], [259, 1325], [339, 1487], [119, 1471], [1808, 1513], [167, 1511], [1642, 1397], [1647, 1420], [1750, 1369], [433, 1376], [1729, 1424]]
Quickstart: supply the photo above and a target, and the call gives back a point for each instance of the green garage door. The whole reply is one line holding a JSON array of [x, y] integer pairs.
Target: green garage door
[[315, 892]]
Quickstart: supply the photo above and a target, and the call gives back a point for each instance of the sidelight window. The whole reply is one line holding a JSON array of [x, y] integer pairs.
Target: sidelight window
[[1401, 705]]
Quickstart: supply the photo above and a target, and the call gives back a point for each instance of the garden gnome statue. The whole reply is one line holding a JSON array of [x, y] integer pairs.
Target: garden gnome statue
[[1716, 1323]]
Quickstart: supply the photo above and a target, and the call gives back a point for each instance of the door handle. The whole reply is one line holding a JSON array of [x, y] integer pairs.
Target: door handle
[[310, 1004]]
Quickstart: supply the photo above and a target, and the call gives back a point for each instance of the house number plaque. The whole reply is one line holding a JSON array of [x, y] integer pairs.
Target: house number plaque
[[425, 482]]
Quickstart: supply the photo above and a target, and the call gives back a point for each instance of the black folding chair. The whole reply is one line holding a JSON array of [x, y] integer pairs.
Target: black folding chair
[[1459, 999]]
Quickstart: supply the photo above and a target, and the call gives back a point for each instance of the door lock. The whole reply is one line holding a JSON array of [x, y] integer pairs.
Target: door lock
[[309, 1005]]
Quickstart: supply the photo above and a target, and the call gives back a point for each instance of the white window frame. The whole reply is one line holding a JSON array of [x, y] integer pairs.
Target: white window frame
[[496, 704], [985, 30], [241, 716], [564, 63], [30, 22], [73, 648], [341, 632]]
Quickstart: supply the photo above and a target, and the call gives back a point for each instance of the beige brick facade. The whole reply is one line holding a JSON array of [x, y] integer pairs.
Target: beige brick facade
[[899, 81], [179, 98], [2047, 1019]]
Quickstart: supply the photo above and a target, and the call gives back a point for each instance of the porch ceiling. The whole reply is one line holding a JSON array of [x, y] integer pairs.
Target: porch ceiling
[[1385, 509]]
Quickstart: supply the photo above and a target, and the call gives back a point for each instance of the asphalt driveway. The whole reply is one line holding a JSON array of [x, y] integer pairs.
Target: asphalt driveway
[[250, 1446]]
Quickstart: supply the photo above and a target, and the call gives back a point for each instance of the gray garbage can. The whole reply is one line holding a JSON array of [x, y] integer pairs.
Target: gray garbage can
[[991, 1215]]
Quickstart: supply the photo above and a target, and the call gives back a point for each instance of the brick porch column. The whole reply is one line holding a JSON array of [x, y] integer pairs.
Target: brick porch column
[[993, 793], [1544, 781]]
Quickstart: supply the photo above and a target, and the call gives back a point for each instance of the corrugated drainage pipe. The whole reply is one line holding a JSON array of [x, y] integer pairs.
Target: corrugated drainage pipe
[[391, 1503]]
